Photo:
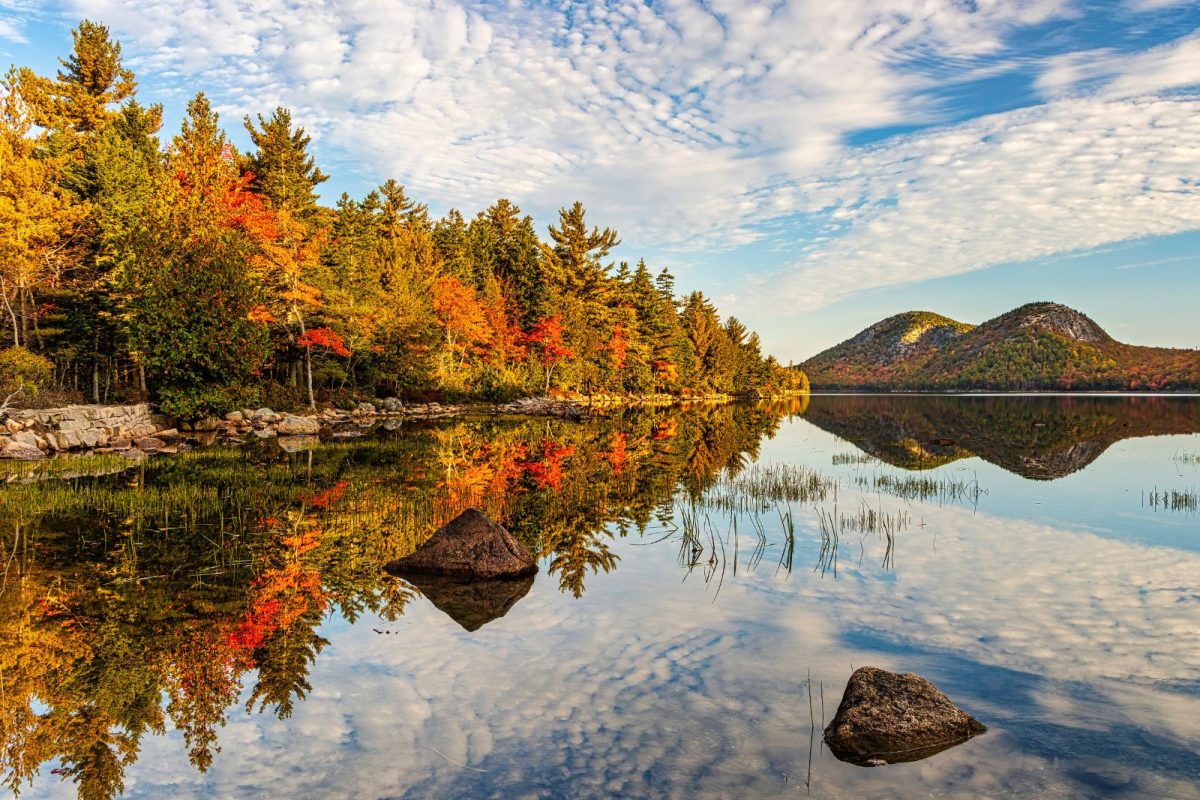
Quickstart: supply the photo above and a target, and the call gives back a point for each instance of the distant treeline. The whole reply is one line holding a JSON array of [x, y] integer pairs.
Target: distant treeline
[[208, 279]]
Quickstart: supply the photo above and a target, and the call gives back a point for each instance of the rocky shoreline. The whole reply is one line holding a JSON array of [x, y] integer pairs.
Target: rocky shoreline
[[34, 434]]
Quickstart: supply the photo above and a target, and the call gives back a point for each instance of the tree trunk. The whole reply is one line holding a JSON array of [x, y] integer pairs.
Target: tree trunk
[[312, 401], [11, 313], [22, 295], [96, 369]]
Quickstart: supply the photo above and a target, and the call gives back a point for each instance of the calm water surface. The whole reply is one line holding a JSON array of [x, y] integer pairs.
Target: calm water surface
[[217, 624]]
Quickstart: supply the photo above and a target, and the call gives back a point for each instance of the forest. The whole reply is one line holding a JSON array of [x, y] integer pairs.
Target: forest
[[181, 270]]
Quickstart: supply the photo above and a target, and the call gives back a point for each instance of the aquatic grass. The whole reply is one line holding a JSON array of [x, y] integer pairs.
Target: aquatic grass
[[787, 524], [831, 530], [64, 467], [834, 526], [923, 488], [853, 459], [761, 487], [1186, 501]]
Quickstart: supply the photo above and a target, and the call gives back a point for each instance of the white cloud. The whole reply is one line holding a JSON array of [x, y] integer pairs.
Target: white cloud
[[698, 125], [1069, 175], [11, 29], [1111, 74], [665, 115]]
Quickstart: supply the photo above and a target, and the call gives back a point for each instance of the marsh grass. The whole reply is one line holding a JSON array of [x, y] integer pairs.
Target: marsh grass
[[65, 467], [760, 488], [853, 459], [923, 488], [1186, 501], [799, 501]]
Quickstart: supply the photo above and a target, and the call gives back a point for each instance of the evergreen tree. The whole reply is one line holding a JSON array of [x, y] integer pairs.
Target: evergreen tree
[[282, 169], [713, 352], [92, 81], [576, 258]]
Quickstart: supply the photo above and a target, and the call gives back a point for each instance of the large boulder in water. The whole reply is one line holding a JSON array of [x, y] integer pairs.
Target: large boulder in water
[[886, 717], [469, 546]]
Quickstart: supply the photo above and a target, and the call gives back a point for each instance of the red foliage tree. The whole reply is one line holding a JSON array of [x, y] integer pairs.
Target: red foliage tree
[[546, 340]]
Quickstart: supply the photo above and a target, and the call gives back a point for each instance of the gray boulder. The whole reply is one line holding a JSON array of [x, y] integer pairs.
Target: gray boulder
[[366, 408], [264, 415], [21, 451], [888, 717], [469, 546], [27, 437], [298, 426], [392, 404]]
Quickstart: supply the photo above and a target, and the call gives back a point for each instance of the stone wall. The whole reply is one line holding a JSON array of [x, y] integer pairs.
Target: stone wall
[[80, 427]]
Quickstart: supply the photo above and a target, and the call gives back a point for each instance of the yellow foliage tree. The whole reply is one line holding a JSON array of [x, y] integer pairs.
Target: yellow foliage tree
[[37, 217]]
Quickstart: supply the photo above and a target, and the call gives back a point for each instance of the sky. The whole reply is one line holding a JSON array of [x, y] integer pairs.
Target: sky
[[812, 166]]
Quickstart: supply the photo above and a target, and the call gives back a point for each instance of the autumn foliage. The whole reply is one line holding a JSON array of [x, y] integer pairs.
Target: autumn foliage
[[181, 270]]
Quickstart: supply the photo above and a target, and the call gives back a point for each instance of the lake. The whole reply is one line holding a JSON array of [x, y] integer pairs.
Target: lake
[[217, 623]]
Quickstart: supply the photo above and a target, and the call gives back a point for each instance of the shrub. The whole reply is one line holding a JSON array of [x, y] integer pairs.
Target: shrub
[[193, 403], [23, 373]]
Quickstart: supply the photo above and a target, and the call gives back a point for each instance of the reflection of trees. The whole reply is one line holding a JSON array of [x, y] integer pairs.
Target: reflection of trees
[[186, 578], [574, 551]]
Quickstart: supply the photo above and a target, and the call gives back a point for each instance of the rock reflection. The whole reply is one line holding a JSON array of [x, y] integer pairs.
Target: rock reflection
[[471, 603]]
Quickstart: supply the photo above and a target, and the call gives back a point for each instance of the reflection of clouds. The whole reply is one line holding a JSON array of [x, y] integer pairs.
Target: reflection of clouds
[[1023, 594], [1064, 641]]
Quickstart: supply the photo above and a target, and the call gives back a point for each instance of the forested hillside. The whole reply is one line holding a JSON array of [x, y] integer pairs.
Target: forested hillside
[[182, 270], [1039, 346]]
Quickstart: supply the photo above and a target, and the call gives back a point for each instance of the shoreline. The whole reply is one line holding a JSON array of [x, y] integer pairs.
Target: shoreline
[[138, 430]]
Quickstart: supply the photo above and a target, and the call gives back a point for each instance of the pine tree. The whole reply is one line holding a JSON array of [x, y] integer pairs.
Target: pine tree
[[92, 81], [576, 259], [282, 169], [714, 354], [509, 246], [451, 236]]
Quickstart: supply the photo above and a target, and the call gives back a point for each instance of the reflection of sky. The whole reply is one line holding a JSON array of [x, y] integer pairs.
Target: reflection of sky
[[1075, 638], [1106, 497]]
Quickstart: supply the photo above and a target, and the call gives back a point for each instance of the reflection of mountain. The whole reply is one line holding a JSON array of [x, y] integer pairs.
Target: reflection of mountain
[[471, 603], [1041, 438]]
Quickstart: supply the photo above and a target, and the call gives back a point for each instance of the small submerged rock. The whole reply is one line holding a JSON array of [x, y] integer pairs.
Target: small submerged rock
[[151, 444], [888, 717], [469, 546]]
